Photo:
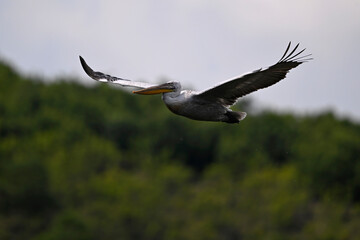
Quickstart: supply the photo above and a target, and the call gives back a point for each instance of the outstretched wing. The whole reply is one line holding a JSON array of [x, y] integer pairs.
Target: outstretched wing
[[228, 92], [101, 77]]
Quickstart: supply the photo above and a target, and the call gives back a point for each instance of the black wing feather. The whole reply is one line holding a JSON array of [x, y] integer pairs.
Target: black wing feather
[[227, 93]]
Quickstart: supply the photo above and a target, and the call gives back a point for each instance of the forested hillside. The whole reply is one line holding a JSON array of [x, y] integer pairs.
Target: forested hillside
[[96, 162]]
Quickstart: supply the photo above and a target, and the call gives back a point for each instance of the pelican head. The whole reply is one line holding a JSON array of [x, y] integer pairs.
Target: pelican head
[[162, 88]]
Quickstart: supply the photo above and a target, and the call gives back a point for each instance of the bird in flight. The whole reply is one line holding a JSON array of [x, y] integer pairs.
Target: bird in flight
[[211, 104]]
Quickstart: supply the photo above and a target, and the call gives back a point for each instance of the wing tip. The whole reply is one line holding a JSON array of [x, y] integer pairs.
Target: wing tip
[[86, 68], [293, 57]]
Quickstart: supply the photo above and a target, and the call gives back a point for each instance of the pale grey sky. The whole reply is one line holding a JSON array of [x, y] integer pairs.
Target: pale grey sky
[[196, 42]]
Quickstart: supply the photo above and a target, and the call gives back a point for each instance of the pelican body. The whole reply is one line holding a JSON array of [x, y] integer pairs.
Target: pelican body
[[212, 104], [187, 103]]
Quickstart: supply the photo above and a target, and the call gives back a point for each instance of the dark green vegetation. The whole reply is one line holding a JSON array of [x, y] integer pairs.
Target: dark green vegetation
[[98, 163]]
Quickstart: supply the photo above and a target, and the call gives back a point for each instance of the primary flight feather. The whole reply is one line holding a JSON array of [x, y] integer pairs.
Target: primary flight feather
[[211, 104]]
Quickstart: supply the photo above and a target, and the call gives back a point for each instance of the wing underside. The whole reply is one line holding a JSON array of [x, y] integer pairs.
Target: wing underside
[[102, 77]]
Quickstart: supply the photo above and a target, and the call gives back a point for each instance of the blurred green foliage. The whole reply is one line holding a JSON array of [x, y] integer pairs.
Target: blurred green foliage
[[96, 162]]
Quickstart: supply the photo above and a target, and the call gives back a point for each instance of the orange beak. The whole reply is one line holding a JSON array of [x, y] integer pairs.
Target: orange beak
[[163, 88]]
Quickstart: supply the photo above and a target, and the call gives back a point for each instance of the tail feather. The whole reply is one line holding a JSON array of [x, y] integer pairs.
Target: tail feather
[[234, 117]]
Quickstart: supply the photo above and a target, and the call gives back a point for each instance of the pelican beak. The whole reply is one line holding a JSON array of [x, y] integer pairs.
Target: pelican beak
[[163, 88]]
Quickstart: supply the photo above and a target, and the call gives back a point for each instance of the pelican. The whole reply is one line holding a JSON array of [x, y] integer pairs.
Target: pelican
[[212, 104]]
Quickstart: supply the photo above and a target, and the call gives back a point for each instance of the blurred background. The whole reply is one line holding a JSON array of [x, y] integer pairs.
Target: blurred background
[[82, 160]]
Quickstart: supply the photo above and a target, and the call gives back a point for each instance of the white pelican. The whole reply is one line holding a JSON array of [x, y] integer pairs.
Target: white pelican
[[211, 104]]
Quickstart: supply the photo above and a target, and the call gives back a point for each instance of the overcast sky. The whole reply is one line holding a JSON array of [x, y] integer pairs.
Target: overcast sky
[[196, 42]]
